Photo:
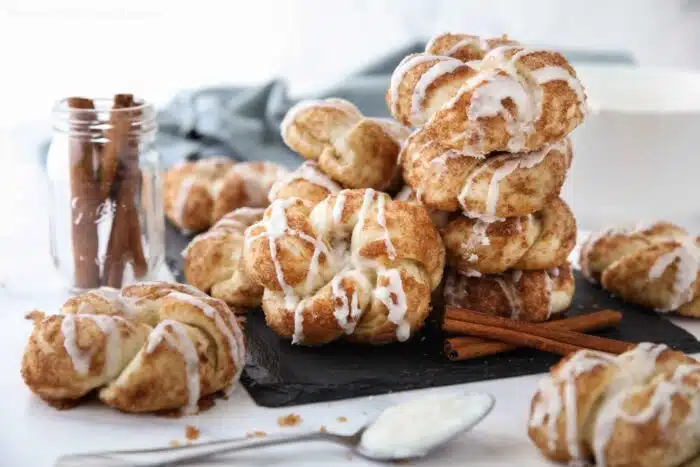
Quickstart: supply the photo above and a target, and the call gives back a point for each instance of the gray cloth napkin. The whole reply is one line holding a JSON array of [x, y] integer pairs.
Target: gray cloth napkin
[[243, 123]]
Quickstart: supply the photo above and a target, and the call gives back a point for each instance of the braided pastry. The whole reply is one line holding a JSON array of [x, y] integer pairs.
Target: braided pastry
[[464, 47], [516, 99], [542, 240], [641, 408], [522, 295], [307, 182], [354, 150], [149, 347], [213, 260], [653, 265], [358, 264], [197, 194], [491, 188]]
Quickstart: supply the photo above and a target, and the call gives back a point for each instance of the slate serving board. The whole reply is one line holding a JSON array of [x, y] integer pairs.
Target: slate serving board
[[279, 374]]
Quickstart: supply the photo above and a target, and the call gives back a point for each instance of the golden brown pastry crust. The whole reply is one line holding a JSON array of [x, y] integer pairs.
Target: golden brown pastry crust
[[358, 264], [542, 240], [354, 150], [197, 194], [212, 260], [654, 265], [523, 295], [307, 182], [149, 347], [464, 47], [640, 408], [499, 186], [516, 99]]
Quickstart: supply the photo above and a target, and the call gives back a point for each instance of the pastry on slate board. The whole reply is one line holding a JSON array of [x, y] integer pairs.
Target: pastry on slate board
[[358, 265], [197, 194], [655, 265]]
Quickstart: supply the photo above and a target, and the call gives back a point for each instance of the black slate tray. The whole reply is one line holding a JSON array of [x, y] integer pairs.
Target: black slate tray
[[279, 374]]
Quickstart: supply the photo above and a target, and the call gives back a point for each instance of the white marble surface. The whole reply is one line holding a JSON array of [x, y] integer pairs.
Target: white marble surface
[[35, 434]]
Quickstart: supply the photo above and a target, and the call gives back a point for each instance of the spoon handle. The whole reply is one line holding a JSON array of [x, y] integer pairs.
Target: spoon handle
[[178, 456]]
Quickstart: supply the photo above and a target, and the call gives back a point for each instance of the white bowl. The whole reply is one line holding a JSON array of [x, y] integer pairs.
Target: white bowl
[[637, 154]]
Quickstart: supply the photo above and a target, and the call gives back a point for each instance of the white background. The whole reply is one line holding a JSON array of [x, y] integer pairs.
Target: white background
[[51, 48]]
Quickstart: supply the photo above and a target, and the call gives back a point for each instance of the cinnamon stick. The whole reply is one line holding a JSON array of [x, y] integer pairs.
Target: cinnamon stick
[[465, 348], [125, 236], [527, 334], [84, 195]]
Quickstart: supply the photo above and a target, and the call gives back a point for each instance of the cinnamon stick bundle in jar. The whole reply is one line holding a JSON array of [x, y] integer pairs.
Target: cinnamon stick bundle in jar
[[106, 146]]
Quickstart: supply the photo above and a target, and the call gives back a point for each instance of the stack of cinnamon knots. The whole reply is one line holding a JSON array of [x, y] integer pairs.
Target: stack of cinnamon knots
[[490, 149], [475, 158]]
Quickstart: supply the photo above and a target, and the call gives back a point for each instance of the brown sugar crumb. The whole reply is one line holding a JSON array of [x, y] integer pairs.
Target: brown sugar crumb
[[289, 420], [323, 429], [174, 443], [342, 419], [191, 432], [255, 434]]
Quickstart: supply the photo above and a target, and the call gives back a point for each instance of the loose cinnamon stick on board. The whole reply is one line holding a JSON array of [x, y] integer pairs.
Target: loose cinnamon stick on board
[[85, 192], [465, 348], [125, 236], [527, 334]]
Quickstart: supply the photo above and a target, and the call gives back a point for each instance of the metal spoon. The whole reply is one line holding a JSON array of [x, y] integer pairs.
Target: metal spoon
[[180, 455]]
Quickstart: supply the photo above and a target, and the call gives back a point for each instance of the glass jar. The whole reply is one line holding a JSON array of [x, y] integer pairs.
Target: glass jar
[[106, 204]]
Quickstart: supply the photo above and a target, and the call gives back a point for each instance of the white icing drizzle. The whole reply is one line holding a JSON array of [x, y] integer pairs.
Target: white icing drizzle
[[115, 297], [558, 398], [548, 283], [517, 275], [406, 65], [639, 364], [477, 239], [512, 294], [276, 227], [83, 359], [392, 128], [393, 297], [556, 73], [471, 41], [684, 370], [404, 194], [348, 312], [491, 87], [181, 199], [175, 335], [586, 248], [173, 287], [381, 220], [236, 347], [310, 172], [687, 259], [509, 165], [338, 208], [659, 406], [442, 67]]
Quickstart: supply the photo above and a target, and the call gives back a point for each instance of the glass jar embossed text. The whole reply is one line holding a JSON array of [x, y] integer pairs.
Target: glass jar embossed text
[[106, 205]]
